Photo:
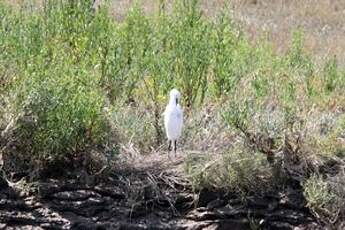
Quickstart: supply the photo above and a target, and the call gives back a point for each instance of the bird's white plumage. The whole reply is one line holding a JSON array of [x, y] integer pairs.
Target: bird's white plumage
[[173, 116]]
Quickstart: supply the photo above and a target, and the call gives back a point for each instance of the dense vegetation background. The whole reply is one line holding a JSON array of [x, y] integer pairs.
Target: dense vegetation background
[[80, 90]]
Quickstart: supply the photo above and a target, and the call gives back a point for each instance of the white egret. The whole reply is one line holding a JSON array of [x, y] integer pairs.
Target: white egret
[[173, 119]]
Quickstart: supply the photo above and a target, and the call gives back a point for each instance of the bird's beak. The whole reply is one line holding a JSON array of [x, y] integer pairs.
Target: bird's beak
[[176, 101]]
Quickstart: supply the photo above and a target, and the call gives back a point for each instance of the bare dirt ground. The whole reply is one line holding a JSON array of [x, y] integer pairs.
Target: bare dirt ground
[[323, 22], [150, 194]]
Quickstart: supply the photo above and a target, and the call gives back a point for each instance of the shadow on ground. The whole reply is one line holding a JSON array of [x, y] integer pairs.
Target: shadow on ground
[[144, 199]]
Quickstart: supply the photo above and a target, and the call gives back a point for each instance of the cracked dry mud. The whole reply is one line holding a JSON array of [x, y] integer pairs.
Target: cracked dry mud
[[144, 200]]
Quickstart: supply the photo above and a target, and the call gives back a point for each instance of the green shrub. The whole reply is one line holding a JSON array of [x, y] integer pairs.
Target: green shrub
[[53, 100], [297, 58], [65, 110], [331, 75], [231, 55], [191, 51]]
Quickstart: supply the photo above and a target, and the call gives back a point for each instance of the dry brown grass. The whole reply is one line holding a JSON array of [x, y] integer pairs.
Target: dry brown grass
[[322, 21]]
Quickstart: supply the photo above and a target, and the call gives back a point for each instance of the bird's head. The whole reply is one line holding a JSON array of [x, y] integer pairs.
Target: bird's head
[[175, 96]]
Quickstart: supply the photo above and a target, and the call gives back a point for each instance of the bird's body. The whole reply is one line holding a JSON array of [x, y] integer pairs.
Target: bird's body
[[173, 121], [173, 118]]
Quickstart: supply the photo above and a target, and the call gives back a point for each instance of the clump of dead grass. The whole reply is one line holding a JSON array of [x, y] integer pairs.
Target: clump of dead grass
[[326, 197], [235, 170], [134, 127]]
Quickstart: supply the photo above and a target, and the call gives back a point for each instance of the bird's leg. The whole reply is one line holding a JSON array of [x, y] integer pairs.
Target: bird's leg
[[169, 145], [175, 146], [169, 148]]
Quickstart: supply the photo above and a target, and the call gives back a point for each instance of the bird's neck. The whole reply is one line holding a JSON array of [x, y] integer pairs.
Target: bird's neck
[[172, 102]]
